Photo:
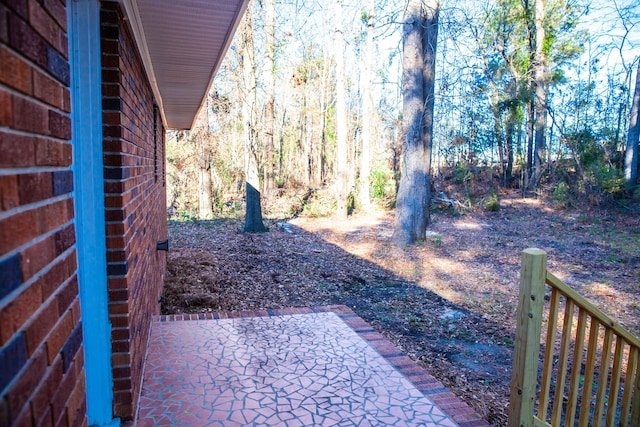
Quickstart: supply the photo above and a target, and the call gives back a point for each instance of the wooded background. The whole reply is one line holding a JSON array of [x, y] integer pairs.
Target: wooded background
[[534, 95]]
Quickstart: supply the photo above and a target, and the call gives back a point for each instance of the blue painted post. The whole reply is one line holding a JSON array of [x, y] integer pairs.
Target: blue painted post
[[86, 101]]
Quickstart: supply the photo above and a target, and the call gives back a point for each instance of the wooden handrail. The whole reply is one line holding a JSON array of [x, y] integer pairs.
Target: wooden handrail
[[564, 388], [594, 311]]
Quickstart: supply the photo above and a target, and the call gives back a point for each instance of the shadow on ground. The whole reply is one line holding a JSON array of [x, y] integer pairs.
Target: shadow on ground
[[214, 266]]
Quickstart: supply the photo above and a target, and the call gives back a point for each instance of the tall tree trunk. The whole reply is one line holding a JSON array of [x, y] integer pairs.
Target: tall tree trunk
[[540, 87], [509, 132], [309, 147], [396, 148], [270, 91], [341, 116], [203, 144], [253, 218], [497, 132], [430, 41], [281, 149], [631, 154], [367, 112], [301, 159], [420, 35], [205, 210], [323, 117], [531, 111], [622, 106]]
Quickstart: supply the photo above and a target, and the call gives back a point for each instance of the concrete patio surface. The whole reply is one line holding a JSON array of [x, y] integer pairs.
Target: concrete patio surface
[[320, 366]]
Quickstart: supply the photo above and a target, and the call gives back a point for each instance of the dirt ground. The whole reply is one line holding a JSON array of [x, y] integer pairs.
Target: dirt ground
[[448, 302]]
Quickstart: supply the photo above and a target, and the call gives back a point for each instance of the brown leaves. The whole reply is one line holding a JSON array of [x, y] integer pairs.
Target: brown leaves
[[448, 302]]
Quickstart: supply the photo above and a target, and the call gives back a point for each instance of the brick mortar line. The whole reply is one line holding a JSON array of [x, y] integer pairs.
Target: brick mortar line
[[34, 317], [35, 100], [40, 203], [124, 154], [33, 169], [40, 237], [26, 59], [141, 193], [17, 291]]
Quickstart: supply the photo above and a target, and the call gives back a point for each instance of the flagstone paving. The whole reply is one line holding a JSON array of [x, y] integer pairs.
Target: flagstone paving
[[294, 367]]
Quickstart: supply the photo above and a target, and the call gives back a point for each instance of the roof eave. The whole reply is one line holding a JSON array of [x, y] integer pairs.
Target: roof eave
[[153, 65]]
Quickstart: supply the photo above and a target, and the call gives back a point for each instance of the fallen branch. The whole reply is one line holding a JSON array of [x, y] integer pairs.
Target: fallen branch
[[443, 199]]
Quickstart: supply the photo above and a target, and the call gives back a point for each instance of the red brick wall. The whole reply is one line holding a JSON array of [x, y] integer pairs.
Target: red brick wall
[[135, 199], [41, 356]]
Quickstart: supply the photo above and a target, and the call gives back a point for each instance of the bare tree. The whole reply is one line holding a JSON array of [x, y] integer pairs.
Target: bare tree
[[202, 142], [270, 91], [341, 116], [420, 36], [253, 218], [205, 210], [367, 112]]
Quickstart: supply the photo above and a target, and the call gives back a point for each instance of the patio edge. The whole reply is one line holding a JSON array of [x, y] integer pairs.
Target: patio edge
[[448, 402]]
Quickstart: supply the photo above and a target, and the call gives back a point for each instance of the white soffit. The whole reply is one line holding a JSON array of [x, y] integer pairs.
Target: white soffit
[[182, 43]]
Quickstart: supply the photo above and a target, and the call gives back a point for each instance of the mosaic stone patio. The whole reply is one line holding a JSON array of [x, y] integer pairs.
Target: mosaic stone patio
[[297, 367]]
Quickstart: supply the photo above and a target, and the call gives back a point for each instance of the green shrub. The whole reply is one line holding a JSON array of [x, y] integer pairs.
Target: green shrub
[[601, 179], [561, 196], [184, 215], [436, 240], [320, 204], [382, 185], [470, 197], [351, 203], [609, 179], [461, 174], [492, 204]]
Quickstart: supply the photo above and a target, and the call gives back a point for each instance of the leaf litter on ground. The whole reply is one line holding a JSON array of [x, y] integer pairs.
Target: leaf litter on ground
[[448, 302]]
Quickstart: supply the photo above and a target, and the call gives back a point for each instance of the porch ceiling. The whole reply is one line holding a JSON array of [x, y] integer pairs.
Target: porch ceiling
[[183, 43]]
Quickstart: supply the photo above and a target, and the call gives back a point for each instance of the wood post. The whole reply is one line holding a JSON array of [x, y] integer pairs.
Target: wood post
[[527, 348]]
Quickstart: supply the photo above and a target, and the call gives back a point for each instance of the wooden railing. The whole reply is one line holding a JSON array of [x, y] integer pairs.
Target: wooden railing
[[588, 376]]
